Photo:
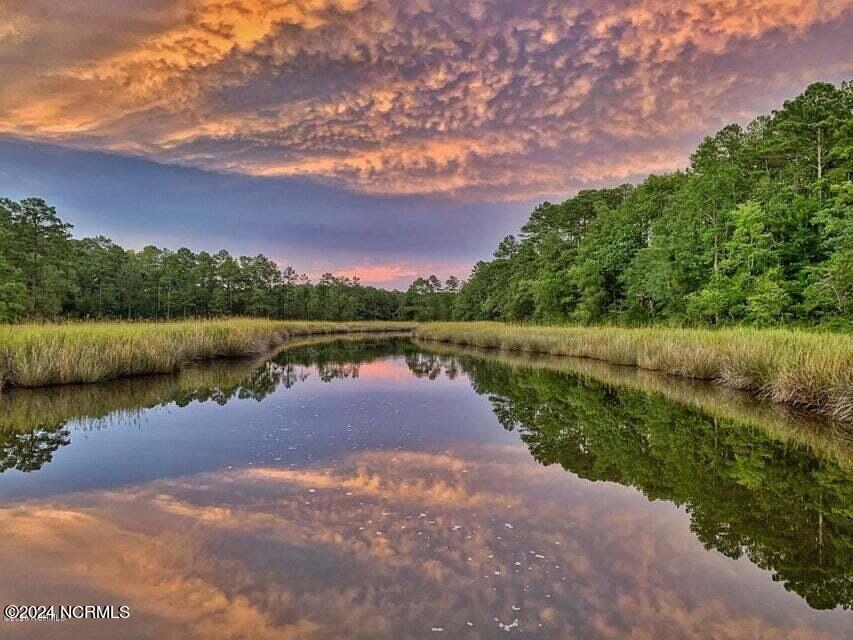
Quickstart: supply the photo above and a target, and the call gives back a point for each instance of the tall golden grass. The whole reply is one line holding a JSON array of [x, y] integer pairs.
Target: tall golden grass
[[121, 399], [34, 355], [806, 369]]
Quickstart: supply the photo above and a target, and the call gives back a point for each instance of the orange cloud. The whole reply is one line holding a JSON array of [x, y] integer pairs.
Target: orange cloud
[[387, 544], [493, 100], [164, 593]]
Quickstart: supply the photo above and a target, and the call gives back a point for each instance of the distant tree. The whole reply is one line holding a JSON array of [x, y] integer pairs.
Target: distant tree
[[97, 289], [39, 250], [228, 276], [13, 292], [809, 133]]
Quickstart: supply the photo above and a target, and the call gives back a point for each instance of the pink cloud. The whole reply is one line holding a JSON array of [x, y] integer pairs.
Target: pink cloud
[[396, 274]]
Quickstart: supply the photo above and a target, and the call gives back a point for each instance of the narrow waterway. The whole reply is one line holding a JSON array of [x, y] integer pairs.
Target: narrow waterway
[[377, 488]]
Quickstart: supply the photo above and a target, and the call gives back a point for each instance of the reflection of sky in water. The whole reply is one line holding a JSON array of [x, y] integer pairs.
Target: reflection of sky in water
[[384, 407], [384, 506]]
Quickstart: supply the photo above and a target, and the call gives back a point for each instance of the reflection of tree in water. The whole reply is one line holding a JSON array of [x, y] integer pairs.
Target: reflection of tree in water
[[431, 366], [342, 359], [29, 450], [33, 421], [787, 510], [346, 352]]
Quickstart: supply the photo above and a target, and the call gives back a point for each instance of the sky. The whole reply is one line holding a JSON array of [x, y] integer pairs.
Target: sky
[[382, 138]]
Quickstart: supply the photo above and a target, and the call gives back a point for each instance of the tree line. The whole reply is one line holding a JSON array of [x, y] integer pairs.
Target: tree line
[[758, 230], [46, 273]]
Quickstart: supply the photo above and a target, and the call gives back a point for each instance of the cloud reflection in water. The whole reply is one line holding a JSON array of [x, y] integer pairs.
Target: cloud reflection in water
[[390, 544]]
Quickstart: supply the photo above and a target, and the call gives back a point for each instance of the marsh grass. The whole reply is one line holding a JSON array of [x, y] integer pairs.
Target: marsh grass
[[782, 422], [35, 355], [123, 399], [802, 368]]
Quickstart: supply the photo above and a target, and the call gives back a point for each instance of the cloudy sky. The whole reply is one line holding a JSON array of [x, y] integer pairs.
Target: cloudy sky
[[387, 138]]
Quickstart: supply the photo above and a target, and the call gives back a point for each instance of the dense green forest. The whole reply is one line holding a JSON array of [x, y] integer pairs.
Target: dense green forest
[[45, 273], [757, 230]]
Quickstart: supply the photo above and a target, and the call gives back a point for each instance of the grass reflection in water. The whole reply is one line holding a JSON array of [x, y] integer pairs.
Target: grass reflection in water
[[764, 485]]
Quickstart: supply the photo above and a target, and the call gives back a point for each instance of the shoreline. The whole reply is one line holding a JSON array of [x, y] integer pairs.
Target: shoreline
[[806, 370], [780, 421], [33, 356], [812, 371]]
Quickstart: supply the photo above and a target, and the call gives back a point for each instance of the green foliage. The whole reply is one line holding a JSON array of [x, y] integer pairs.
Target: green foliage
[[39, 250], [748, 286], [757, 230], [429, 299], [12, 290], [830, 289], [44, 273], [13, 294]]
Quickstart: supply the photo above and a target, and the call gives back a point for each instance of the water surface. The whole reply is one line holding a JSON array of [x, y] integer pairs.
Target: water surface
[[375, 488]]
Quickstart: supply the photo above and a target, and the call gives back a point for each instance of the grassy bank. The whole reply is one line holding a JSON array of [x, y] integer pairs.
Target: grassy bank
[[806, 369], [45, 354], [97, 405], [825, 438]]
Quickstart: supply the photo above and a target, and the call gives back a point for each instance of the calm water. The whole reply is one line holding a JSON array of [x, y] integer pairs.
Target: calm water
[[376, 489]]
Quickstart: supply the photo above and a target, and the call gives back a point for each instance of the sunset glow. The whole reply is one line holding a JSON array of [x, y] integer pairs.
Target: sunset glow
[[474, 102]]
